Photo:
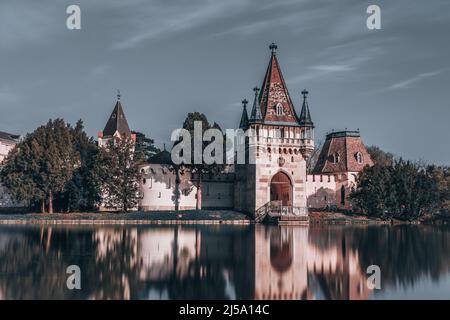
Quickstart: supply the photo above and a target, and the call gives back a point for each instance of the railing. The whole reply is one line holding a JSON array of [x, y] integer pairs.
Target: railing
[[276, 209]]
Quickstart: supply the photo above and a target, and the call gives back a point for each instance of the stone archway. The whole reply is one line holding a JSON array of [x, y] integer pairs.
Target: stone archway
[[281, 188]]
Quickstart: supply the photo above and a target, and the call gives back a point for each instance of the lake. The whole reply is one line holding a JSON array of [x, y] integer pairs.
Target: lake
[[225, 262]]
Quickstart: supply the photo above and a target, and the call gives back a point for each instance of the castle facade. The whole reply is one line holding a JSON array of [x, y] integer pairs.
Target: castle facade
[[281, 148]]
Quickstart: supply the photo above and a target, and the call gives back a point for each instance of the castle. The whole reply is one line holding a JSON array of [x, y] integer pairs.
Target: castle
[[282, 145]]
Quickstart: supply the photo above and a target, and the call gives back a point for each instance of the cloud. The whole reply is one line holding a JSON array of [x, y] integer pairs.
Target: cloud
[[337, 60], [332, 68], [410, 82], [162, 20]]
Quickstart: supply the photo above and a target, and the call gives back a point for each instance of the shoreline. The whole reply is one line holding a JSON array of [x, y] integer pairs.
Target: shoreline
[[188, 217]]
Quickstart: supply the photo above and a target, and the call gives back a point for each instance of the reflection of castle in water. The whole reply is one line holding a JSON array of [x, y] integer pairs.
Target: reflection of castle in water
[[218, 262], [282, 265]]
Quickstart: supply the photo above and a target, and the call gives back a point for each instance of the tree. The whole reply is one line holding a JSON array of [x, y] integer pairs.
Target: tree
[[120, 174], [41, 165], [403, 190], [199, 170], [144, 147], [83, 191], [379, 156]]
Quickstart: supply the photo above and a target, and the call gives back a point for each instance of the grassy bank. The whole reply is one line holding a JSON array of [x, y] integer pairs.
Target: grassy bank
[[159, 217]]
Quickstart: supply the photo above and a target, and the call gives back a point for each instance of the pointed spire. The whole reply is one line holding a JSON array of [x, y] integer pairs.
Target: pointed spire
[[305, 115], [117, 121], [244, 118], [273, 47], [256, 115], [275, 102]]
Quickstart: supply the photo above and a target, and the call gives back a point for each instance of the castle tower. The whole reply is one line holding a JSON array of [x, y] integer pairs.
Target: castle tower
[[117, 126], [344, 156], [279, 147]]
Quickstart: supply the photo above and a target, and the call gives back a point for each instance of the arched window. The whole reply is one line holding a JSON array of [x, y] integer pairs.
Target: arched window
[[279, 109], [359, 157], [336, 157]]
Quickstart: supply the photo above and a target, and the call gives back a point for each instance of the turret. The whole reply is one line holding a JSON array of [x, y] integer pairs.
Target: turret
[[307, 127]]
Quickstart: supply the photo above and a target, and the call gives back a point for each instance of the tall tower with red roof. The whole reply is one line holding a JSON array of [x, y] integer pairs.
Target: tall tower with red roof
[[280, 146]]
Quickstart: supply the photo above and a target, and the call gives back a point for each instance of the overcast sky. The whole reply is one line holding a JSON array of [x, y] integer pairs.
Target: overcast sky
[[170, 57]]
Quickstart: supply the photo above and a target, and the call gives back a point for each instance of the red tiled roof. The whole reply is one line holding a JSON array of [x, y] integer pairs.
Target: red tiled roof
[[346, 145], [273, 92]]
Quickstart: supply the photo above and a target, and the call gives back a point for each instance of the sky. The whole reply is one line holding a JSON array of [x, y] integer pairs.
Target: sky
[[171, 57]]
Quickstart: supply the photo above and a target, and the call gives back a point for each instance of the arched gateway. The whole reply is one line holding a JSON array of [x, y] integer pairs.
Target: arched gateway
[[281, 188]]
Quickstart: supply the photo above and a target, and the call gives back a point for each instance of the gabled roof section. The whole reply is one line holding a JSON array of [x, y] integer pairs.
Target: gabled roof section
[[117, 122], [274, 99]]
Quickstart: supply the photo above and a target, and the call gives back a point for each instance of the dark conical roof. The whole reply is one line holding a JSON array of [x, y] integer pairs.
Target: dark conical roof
[[305, 115], [117, 122], [244, 118], [256, 115]]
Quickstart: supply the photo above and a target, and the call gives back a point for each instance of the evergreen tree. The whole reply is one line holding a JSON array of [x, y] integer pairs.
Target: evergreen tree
[[144, 147], [41, 165], [120, 174], [83, 191], [402, 190], [199, 170]]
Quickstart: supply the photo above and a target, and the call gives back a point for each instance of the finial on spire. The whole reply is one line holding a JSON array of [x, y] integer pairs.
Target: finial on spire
[[118, 95], [273, 47], [256, 90], [244, 103], [164, 146], [305, 93]]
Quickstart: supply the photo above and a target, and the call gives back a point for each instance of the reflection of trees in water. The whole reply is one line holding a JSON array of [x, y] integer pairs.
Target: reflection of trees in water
[[33, 264], [209, 262], [404, 253]]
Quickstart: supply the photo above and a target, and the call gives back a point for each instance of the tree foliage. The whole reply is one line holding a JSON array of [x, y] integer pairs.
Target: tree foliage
[[61, 166], [380, 157], [199, 170], [144, 147], [120, 174], [42, 164], [401, 189]]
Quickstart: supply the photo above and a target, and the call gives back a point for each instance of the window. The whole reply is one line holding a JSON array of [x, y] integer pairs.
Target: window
[[336, 157], [359, 157], [279, 109]]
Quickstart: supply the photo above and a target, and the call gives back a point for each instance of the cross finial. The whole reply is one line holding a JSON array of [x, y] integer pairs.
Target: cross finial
[[256, 90], [244, 103], [305, 93], [118, 95], [273, 47]]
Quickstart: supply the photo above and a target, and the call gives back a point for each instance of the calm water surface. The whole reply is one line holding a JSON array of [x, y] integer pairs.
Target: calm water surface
[[224, 262]]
